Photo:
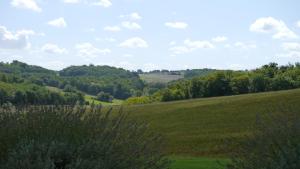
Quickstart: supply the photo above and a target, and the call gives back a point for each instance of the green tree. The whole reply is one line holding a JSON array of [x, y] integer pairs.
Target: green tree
[[197, 88], [218, 84], [258, 83], [240, 84], [105, 97]]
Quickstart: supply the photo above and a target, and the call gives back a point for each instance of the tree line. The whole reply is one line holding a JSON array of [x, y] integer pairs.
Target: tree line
[[270, 77]]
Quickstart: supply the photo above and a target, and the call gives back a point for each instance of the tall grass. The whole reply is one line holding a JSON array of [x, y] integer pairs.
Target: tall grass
[[77, 137]]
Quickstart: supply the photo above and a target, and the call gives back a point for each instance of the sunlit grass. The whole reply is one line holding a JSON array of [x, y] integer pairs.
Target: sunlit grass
[[198, 127]]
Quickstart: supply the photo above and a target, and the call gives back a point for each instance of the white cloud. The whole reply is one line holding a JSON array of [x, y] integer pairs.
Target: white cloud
[[132, 16], [26, 32], [298, 24], [291, 54], [110, 39], [292, 50], [135, 16], [172, 43], [277, 28], [135, 42], [59, 23], [131, 25], [126, 65], [87, 50], [71, 1], [198, 44], [26, 4], [190, 46], [177, 25], [243, 45], [53, 49], [127, 55], [18, 40], [180, 50], [112, 28], [220, 39], [291, 46], [103, 3], [54, 65]]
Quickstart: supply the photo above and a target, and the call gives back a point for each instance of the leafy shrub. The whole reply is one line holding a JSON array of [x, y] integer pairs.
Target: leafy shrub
[[274, 145], [76, 137], [105, 97], [139, 100]]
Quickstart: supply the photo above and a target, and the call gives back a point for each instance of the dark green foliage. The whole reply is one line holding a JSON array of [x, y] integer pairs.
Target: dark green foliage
[[19, 67], [67, 137], [240, 84], [197, 72], [274, 145], [88, 79], [93, 79], [105, 97], [30, 94], [222, 83], [218, 84], [69, 88]]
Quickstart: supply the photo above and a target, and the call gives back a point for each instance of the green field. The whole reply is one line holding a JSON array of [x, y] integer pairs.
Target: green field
[[195, 129], [198, 127], [91, 99], [197, 163], [159, 77]]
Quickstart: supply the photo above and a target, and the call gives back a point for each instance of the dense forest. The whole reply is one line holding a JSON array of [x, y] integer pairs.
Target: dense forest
[[21, 83]]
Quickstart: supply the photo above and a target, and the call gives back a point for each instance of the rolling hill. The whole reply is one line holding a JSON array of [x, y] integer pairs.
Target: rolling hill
[[198, 127]]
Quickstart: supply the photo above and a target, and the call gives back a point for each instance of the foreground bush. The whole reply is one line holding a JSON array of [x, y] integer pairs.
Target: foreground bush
[[274, 145], [60, 137]]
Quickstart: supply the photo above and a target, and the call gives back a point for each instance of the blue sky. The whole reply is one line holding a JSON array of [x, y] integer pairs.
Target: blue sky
[[152, 34]]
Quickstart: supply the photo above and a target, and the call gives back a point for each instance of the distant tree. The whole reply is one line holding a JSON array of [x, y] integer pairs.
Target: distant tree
[[105, 97], [240, 84], [197, 88], [140, 71], [167, 95], [69, 88], [19, 98], [218, 85], [258, 83], [3, 97], [281, 83]]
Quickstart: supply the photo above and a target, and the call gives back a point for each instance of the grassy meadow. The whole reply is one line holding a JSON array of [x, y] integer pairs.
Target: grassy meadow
[[198, 127], [197, 163], [91, 99], [159, 77]]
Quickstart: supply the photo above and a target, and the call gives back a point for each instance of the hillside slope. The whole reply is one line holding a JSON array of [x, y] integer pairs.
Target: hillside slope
[[197, 127]]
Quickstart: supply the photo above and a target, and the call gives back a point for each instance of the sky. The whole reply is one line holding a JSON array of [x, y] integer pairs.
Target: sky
[[150, 34]]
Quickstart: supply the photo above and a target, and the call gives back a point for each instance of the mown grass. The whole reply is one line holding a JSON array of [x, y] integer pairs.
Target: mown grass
[[159, 77], [198, 127], [198, 163], [91, 99]]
